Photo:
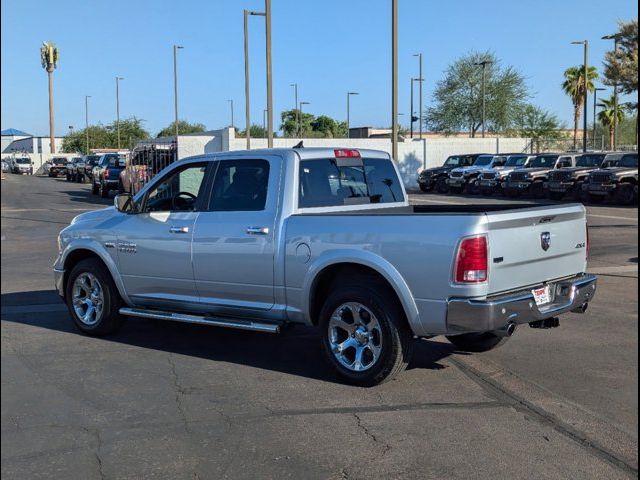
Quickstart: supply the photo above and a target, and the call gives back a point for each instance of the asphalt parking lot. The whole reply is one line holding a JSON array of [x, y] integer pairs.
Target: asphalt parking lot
[[162, 400]]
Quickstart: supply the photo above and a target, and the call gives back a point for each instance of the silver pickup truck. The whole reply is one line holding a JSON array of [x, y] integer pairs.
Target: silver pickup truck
[[260, 239]]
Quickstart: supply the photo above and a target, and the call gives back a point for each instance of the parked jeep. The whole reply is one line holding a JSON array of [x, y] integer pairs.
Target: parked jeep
[[495, 179], [72, 168], [58, 167], [533, 179], [620, 182], [570, 180], [436, 178], [466, 177]]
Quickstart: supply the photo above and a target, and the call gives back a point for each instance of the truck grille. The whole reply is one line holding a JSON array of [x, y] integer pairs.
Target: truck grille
[[488, 176], [560, 176], [519, 176], [456, 174], [600, 178]]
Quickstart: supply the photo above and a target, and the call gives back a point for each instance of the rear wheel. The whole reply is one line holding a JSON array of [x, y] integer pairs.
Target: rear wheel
[[477, 342], [93, 299], [95, 188], [365, 336]]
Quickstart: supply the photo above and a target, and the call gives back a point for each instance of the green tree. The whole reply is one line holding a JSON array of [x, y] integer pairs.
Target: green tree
[[574, 87], [607, 116], [621, 66], [542, 127], [257, 131], [184, 128], [105, 136], [457, 101], [289, 122]]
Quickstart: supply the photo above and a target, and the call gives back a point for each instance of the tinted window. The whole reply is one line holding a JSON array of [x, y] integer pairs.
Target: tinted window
[[590, 160], [452, 162], [178, 191], [483, 160], [499, 161], [629, 161], [240, 186], [514, 161], [23, 161], [325, 183], [547, 161]]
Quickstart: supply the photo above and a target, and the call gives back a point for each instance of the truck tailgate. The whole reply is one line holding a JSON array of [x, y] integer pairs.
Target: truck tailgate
[[532, 246]]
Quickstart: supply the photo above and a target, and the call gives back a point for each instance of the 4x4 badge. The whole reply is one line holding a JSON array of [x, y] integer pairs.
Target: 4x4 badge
[[545, 240]]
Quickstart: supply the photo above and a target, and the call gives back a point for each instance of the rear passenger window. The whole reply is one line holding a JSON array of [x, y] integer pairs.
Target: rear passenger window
[[326, 183], [240, 186]]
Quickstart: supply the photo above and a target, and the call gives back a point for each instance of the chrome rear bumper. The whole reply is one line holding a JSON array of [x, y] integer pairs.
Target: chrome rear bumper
[[494, 313]]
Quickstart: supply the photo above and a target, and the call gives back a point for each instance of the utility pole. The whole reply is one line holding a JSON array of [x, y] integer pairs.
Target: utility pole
[[595, 106], [484, 64], [295, 99], [300, 110], [411, 110], [231, 107], [349, 112], [421, 80], [86, 119], [394, 79], [118, 109], [267, 12], [175, 89]]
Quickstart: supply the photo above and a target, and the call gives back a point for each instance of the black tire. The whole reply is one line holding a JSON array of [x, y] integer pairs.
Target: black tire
[[51, 175], [596, 198], [110, 319], [537, 190], [556, 195], [396, 339], [68, 177], [487, 192], [424, 188], [104, 191], [441, 186], [477, 342], [511, 192], [472, 188], [95, 188], [456, 190], [625, 194], [576, 193]]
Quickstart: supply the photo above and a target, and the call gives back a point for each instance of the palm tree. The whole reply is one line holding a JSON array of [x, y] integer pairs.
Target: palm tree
[[49, 60], [608, 114], [573, 86]]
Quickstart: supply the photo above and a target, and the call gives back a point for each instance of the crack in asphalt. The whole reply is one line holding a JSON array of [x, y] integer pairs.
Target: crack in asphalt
[[179, 392], [96, 434], [386, 447]]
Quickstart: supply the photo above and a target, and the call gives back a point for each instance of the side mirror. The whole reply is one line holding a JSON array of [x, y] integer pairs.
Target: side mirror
[[124, 203]]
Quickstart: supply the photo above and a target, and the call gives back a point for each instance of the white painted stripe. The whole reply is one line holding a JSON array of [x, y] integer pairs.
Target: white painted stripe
[[616, 269], [612, 217]]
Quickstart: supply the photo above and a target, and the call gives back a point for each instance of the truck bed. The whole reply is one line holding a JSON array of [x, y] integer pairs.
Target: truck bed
[[441, 209]]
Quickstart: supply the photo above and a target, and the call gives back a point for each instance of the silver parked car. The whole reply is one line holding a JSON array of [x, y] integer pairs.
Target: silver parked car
[[259, 239]]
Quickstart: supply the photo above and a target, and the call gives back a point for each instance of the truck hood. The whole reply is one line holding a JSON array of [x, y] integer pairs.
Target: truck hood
[[472, 169], [94, 215], [534, 171]]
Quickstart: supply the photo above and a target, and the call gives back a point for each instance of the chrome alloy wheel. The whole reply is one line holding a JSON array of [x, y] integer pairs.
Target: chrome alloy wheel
[[355, 336], [88, 298]]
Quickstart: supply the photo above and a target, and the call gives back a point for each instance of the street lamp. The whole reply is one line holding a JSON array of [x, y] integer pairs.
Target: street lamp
[[300, 110], [231, 107], [413, 117], [118, 108], [585, 44], [421, 80], [86, 119], [394, 79], [349, 111], [175, 88], [616, 40], [295, 99], [595, 103], [484, 64]]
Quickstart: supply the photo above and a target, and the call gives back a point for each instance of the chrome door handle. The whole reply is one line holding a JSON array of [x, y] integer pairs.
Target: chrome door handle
[[258, 230], [179, 229]]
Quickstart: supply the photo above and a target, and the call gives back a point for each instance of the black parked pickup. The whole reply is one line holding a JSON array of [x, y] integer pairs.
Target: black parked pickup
[[570, 180], [534, 178], [620, 182], [431, 178], [58, 166]]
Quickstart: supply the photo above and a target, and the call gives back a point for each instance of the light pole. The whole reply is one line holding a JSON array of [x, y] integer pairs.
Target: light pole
[[484, 64], [585, 45], [616, 39], [421, 80], [349, 112], [231, 108], [175, 88], [295, 99], [595, 104], [267, 14], [118, 108], [86, 119], [247, 91], [300, 110], [394, 79]]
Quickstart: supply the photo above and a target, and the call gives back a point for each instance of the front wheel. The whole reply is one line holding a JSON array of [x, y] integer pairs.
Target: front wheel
[[476, 342], [365, 336], [93, 299], [537, 190], [456, 190], [556, 195], [441, 186], [487, 192], [596, 198], [424, 188]]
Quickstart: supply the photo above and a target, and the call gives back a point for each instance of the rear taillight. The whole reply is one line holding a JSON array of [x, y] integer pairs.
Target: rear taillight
[[106, 173], [472, 260]]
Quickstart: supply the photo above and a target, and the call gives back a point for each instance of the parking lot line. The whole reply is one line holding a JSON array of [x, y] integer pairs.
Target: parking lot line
[[612, 217]]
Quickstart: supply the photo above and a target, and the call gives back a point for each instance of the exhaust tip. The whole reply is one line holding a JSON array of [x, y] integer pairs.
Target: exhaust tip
[[582, 308], [506, 331]]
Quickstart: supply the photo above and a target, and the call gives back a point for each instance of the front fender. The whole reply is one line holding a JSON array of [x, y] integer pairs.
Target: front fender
[[367, 259], [98, 249]]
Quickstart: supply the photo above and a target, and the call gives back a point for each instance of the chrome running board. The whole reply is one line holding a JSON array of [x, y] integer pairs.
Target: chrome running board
[[202, 320]]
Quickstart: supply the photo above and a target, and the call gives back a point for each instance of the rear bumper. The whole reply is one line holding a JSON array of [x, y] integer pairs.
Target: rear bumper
[[465, 315]]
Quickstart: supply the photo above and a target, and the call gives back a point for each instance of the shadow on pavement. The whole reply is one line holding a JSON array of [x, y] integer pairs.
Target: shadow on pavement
[[295, 351]]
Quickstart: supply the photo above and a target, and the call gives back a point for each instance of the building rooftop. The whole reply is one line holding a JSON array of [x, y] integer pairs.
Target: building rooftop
[[12, 132]]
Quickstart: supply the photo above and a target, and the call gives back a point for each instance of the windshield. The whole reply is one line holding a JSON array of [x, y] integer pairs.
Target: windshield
[[327, 183], [483, 160], [516, 161], [452, 162], [542, 161], [93, 159], [113, 161], [590, 160], [23, 161], [629, 161]]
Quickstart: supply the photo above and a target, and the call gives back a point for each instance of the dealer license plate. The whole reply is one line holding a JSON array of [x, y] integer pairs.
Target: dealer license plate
[[542, 295]]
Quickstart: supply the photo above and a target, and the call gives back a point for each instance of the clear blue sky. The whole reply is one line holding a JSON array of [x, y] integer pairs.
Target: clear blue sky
[[326, 46]]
